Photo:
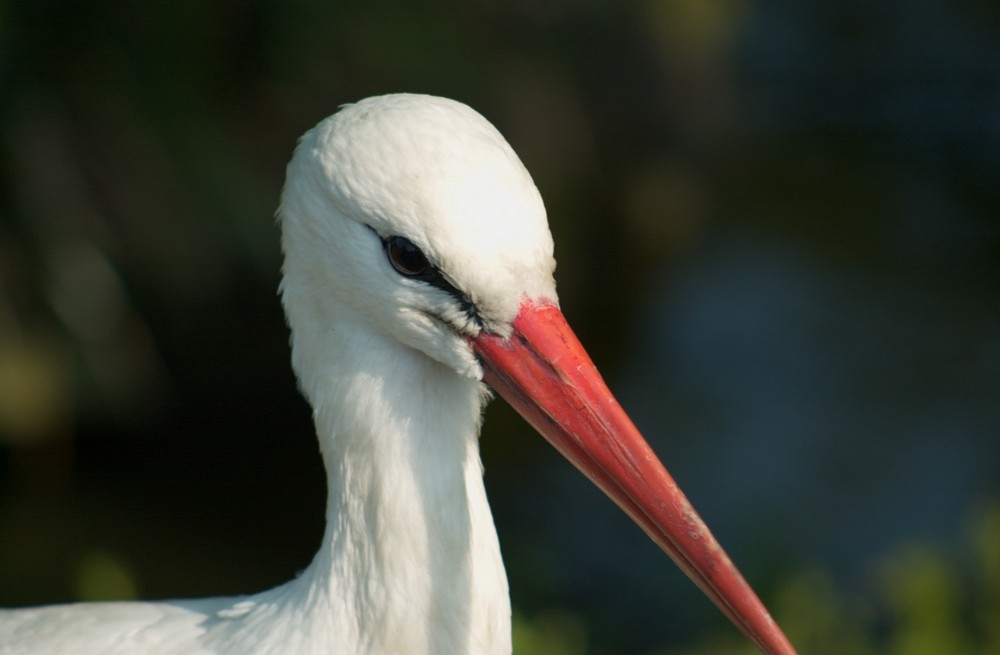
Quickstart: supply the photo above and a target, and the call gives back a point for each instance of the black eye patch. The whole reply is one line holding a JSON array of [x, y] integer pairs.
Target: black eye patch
[[410, 261]]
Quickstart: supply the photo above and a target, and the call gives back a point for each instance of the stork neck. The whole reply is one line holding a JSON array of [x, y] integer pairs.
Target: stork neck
[[410, 553]]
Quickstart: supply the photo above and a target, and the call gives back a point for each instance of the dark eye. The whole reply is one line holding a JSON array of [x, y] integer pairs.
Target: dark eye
[[406, 258]]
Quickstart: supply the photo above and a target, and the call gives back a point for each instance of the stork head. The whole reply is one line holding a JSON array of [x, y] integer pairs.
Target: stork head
[[414, 215]]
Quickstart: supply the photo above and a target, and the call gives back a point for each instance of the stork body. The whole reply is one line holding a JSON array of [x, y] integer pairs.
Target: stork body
[[418, 263], [411, 566]]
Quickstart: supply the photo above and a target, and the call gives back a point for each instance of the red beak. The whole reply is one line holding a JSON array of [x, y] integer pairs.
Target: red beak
[[544, 372]]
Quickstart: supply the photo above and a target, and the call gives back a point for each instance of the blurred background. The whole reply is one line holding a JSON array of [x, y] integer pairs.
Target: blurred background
[[778, 232]]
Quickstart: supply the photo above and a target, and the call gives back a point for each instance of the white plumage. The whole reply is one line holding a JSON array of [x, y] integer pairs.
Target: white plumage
[[389, 361]]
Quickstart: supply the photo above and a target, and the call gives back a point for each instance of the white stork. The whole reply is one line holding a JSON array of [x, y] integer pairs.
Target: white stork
[[418, 266]]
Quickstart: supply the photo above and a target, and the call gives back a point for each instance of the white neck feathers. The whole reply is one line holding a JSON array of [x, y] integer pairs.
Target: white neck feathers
[[410, 545]]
